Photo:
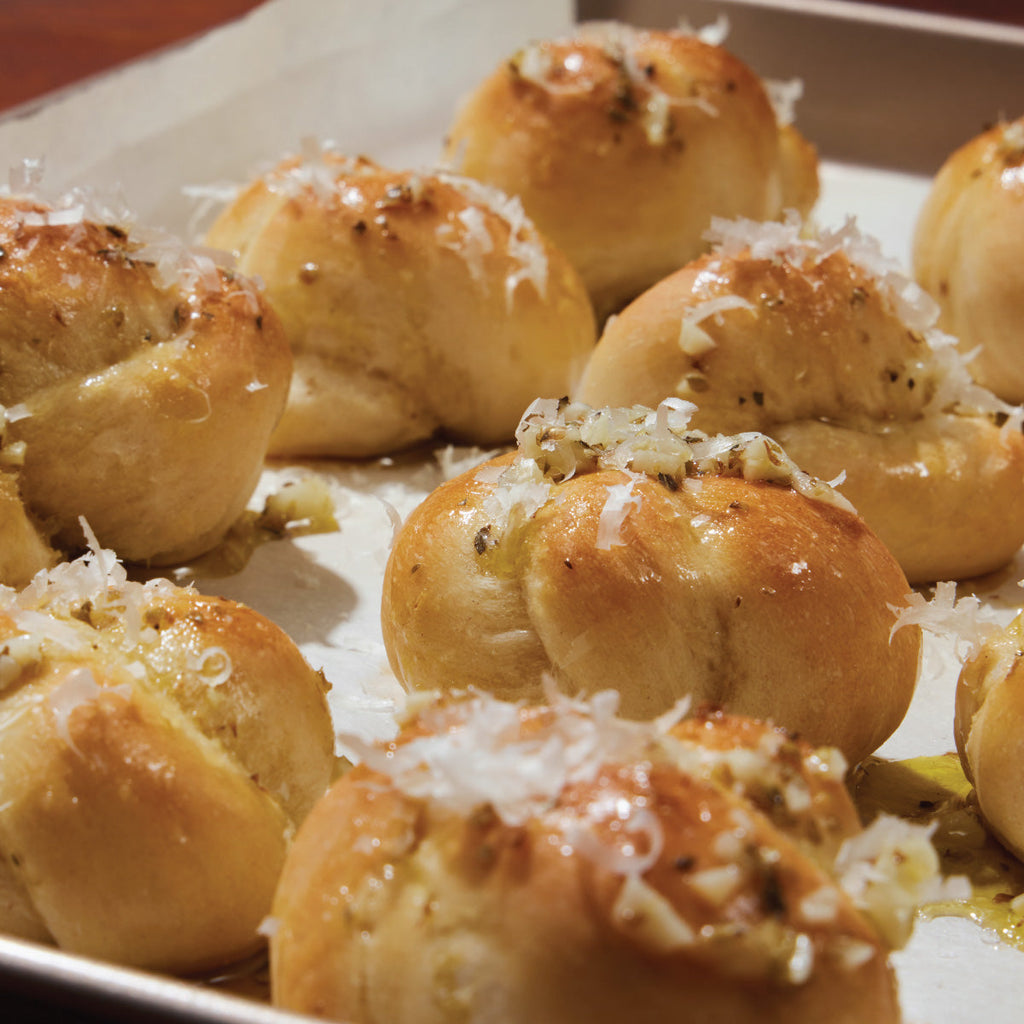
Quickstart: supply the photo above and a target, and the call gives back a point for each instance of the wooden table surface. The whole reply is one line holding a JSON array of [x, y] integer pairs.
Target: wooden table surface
[[48, 44]]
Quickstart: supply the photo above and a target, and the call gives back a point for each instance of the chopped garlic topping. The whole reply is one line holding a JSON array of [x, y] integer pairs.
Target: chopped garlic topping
[[650, 918], [717, 884], [820, 906], [305, 503], [559, 439]]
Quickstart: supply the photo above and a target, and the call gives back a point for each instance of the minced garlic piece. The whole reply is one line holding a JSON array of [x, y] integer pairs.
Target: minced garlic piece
[[649, 918], [304, 505]]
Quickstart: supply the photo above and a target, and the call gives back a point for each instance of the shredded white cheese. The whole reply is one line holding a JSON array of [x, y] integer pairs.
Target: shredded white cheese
[[891, 869], [1011, 140], [940, 364], [650, 104], [714, 34], [169, 261], [524, 246], [319, 168], [61, 610], [476, 752], [79, 688], [784, 96], [613, 514], [212, 665], [693, 339], [965, 620]]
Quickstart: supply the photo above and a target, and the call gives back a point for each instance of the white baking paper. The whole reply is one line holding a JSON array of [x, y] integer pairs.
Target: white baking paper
[[378, 77]]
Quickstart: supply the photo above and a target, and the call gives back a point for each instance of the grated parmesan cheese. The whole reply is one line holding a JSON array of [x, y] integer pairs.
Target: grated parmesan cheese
[[693, 339], [714, 34], [62, 609], [472, 242], [941, 364], [613, 514], [322, 169], [524, 246], [784, 97], [476, 752], [169, 261], [620, 43], [966, 621], [890, 870], [1010, 141], [78, 689], [213, 665], [479, 752]]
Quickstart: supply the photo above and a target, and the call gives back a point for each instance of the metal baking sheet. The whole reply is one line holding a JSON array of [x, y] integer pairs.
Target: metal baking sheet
[[887, 94]]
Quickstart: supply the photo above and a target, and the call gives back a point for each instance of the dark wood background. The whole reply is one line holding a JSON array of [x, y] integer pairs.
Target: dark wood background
[[48, 44]]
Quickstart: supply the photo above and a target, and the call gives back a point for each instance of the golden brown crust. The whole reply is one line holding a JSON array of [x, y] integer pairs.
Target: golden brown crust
[[740, 593], [622, 144], [144, 404], [23, 549], [158, 752], [989, 733], [809, 349], [397, 908], [943, 493], [416, 305], [968, 253]]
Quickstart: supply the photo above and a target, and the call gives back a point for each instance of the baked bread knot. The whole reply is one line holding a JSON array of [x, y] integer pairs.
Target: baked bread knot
[[497, 862], [417, 305], [825, 345], [988, 728], [619, 549], [140, 384], [622, 143], [968, 253], [158, 749]]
